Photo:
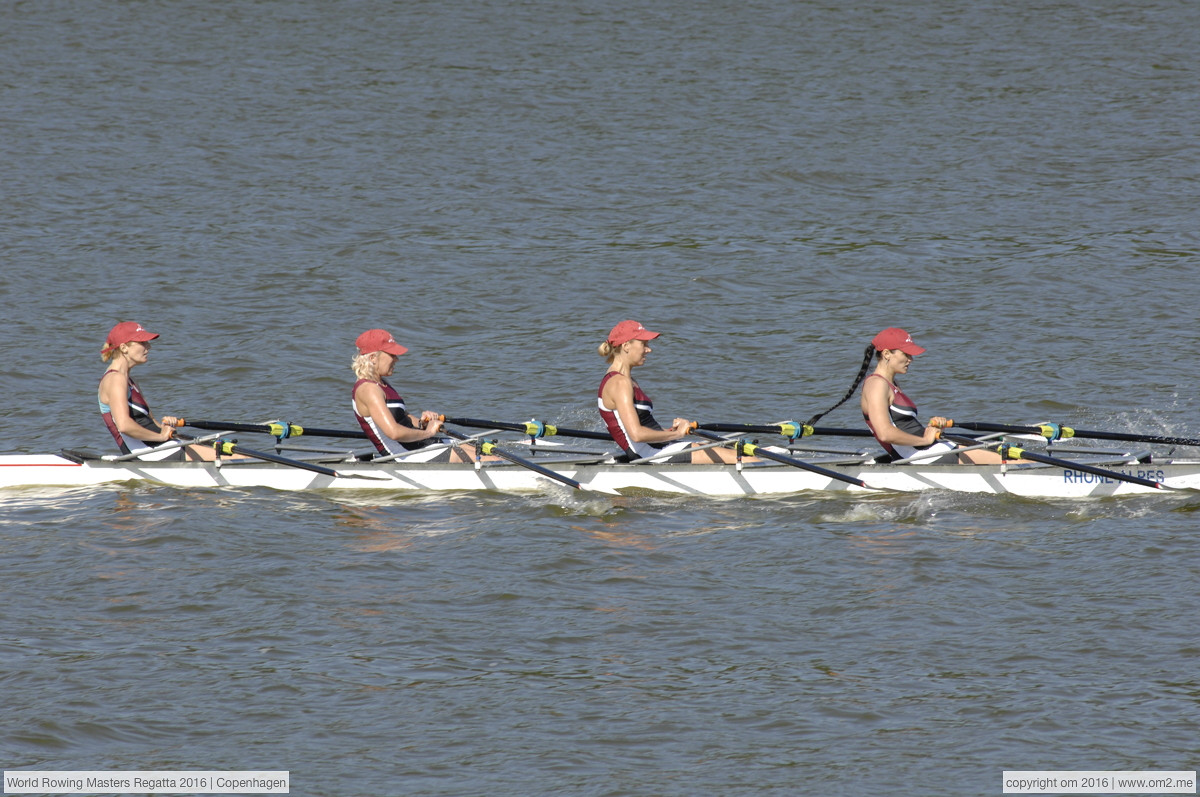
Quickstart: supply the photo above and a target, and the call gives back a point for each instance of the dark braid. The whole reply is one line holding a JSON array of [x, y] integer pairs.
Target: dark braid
[[868, 355]]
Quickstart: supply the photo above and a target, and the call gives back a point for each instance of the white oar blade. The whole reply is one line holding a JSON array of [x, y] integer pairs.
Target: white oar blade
[[593, 488], [368, 476]]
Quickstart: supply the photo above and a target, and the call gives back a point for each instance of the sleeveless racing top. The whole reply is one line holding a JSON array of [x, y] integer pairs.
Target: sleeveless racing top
[[139, 412], [903, 413], [645, 415], [395, 404]]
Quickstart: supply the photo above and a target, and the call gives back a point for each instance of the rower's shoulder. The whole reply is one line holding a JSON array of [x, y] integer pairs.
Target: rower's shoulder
[[367, 385], [121, 378], [619, 379], [876, 388]]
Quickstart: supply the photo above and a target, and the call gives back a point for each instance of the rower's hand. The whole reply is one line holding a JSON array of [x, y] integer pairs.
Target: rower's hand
[[169, 422], [432, 424], [429, 415], [932, 434], [682, 427], [939, 422]]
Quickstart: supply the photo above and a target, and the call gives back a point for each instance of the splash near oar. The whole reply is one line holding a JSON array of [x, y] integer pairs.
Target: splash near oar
[[753, 450], [1055, 431]]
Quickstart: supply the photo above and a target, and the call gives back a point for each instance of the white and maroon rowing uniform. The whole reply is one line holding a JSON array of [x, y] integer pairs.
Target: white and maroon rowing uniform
[[645, 414], [139, 413], [395, 405], [903, 413]]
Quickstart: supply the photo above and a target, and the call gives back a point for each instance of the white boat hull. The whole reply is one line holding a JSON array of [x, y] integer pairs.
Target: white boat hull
[[1035, 481]]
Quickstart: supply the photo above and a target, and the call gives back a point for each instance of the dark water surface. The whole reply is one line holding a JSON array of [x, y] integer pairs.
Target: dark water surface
[[767, 183]]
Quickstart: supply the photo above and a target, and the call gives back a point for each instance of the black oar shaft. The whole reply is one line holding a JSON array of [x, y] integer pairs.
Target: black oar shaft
[[294, 463], [748, 428], [265, 428], [228, 447], [1123, 437], [785, 460], [214, 426], [521, 427], [348, 433], [1079, 466], [549, 474]]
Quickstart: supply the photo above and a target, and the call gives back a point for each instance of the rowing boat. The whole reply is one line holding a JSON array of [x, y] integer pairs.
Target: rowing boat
[[73, 469]]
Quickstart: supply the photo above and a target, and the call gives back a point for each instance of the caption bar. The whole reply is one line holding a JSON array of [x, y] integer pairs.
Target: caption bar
[[1082, 781], [111, 782]]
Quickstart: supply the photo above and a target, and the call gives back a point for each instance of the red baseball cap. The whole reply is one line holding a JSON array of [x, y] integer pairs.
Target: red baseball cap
[[895, 338], [127, 332], [378, 340], [629, 330]]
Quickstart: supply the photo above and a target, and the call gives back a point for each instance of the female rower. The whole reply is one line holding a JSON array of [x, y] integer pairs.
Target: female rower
[[125, 411], [629, 413], [892, 416], [381, 412]]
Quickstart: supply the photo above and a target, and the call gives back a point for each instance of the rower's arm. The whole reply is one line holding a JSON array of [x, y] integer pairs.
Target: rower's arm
[[369, 397], [114, 391], [618, 395], [876, 394]]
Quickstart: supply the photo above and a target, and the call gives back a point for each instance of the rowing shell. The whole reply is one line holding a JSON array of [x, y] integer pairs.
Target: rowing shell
[[1035, 481]]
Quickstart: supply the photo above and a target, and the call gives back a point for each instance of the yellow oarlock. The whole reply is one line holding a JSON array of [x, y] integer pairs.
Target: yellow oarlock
[[487, 447], [793, 430], [747, 449], [534, 429], [285, 430], [1056, 432], [224, 447], [1011, 452]]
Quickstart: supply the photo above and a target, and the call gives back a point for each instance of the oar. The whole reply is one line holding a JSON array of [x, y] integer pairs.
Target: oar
[[1055, 431], [751, 450], [532, 428], [789, 429], [487, 447], [178, 442], [228, 447], [1013, 452], [400, 455], [280, 429]]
